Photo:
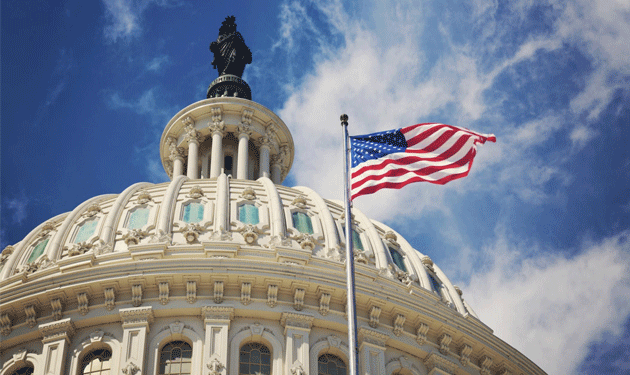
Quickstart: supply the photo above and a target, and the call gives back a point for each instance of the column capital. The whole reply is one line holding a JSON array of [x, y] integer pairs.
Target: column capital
[[295, 320], [244, 130], [438, 361], [217, 313], [192, 135], [136, 316], [60, 329]]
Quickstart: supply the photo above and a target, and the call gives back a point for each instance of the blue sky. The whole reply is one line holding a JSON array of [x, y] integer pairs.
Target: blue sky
[[537, 236]]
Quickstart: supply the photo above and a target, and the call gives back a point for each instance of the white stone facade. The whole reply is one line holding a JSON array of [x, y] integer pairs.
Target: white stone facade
[[215, 262]]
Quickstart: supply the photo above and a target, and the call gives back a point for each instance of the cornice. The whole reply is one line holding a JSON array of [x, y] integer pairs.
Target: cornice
[[136, 316], [57, 330]]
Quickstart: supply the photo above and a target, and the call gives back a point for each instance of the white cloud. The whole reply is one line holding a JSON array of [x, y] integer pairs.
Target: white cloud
[[550, 306], [124, 17], [19, 207], [157, 63]]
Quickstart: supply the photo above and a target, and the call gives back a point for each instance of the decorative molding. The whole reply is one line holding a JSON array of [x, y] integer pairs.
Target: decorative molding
[[163, 292], [215, 367], [191, 232], [248, 193], [272, 296], [306, 241], [5, 324], [136, 295], [79, 248], [399, 322], [249, 232], [294, 320], [20, 355], [176, 327], [143, 196], [374, 314], [218, 291], [92, 210], [48, 227], [428, 263], [83, 301], [504, 371], [440, 362], [244, 130], [96, 336], [61, 329], [298, 369], [485, 363], [300, 202], [444, 341], [5, 254], [137, 315], [191, 134], [195, 192], [464, 354], [246, 293], [134, 236], [31, 315], [57, 308], [110, 298], [373, 337], [421, 333], [246, 116], [256, 329], [324, 304], [191, 291], [217, 312], [391, 237], [298, 299], [333, 341], [131, 369]]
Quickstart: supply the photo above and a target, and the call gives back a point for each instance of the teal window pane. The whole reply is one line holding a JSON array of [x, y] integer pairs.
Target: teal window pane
[[38, 250], [302, 222], [356, 239], [138, 218], [86, 231], [248, 214], [193, 212], [398, 259]]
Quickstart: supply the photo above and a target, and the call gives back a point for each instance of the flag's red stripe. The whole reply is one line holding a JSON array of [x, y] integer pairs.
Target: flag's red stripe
[[422, 136], [398, 185], [356, 183]]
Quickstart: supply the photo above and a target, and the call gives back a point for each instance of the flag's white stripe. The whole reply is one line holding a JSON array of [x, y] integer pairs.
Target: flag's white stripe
[[445, 146], [401, 179], [399, 155], [411, 173], [415, 131], [429, 140]]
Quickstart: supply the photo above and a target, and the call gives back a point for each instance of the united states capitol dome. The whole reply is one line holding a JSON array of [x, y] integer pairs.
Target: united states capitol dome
[[223, 270]]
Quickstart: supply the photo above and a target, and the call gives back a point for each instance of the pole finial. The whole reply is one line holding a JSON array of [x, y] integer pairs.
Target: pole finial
[[344, 119]]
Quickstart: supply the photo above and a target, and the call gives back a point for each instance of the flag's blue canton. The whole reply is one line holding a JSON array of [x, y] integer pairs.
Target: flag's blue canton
[[376, 145]]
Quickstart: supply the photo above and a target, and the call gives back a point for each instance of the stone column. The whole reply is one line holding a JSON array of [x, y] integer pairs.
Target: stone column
[[194, 138], [176, 156], [135, 323], [265, 149], [297, 328], [217, 323], [276, 169], [371, 351], [216, 129], [244, 132], [56, 339]]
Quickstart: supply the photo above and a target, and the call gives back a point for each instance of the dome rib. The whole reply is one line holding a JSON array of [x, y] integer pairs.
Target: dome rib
[[330, 234], [276, 213], [165, 221], [54, 249], [115, 213], [221, 222]]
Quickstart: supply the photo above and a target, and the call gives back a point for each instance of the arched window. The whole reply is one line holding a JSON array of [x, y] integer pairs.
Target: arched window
[[302, 222], [193, 212], [329, 364], [248, 214], [356, 239], [398, 259], [254, 359], [175, 358], [37, 250], [96, 362], [86, 230], [138, 218], [435, 284], [24, 370]]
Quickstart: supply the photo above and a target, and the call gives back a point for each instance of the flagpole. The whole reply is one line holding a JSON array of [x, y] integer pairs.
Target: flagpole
[[352, 302]]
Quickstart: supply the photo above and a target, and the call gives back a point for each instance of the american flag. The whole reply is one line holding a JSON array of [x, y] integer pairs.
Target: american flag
[[431, 152]]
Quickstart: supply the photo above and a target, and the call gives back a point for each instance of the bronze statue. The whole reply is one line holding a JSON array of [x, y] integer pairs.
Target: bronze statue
[[230, 52]]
